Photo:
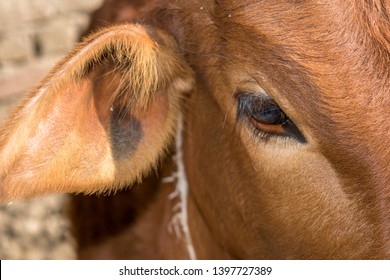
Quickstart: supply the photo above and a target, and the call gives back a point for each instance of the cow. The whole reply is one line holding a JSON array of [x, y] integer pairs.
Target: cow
[[239, 130]]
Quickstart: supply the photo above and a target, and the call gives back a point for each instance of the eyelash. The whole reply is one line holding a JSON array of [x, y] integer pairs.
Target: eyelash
[[265, 136]]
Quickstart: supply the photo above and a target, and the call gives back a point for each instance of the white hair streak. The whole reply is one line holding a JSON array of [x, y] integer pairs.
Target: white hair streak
[[179, 221]]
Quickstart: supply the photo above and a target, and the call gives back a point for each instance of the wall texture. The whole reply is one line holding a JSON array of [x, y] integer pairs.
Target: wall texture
[[34, 34]]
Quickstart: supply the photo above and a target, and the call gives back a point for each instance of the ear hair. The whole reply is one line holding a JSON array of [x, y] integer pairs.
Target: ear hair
[[64, 137], [121, 45]]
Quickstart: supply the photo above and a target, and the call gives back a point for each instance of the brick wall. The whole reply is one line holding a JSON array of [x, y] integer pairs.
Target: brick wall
[[34, 34]]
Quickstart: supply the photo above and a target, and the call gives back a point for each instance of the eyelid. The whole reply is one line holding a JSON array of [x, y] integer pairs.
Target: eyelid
[[251, 87]]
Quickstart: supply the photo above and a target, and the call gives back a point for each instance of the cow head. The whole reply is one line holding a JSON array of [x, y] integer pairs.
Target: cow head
[[285, 143]]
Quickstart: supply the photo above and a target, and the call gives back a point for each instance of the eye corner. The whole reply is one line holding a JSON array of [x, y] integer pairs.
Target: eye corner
[[293, 132]]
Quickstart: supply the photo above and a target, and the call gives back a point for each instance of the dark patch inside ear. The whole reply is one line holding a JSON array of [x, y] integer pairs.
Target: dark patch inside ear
[[126, 134]]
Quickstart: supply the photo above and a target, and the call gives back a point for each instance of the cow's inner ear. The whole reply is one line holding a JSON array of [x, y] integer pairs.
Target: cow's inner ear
[[115, 112], [100, 120]]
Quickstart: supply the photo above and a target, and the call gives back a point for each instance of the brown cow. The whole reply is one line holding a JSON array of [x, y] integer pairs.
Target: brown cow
[[280, 114]]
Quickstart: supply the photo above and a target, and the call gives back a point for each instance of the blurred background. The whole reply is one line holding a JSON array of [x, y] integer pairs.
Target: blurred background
[[34, 34]]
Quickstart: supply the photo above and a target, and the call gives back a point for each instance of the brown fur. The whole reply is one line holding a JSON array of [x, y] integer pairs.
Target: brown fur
[[326, 63]]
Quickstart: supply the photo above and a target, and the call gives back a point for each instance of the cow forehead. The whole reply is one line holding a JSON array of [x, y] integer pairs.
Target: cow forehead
[[320, 39]]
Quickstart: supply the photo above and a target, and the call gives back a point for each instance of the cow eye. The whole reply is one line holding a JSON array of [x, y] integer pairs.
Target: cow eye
[[266, 117], [266, 112]]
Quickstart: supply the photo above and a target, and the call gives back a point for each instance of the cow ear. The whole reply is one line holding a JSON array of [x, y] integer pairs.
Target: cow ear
[[100, 120]]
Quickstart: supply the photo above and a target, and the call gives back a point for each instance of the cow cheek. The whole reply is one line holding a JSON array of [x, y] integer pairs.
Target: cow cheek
[[304, 203]]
